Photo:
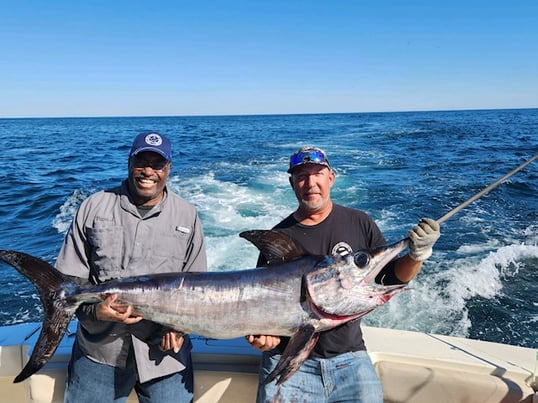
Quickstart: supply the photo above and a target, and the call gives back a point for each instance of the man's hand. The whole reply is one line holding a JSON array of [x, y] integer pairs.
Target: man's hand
[[172, 341], [114, 311], [263, 342], [422, 238]]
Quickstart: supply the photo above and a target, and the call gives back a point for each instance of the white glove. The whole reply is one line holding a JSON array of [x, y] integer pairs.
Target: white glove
[[422, 238]]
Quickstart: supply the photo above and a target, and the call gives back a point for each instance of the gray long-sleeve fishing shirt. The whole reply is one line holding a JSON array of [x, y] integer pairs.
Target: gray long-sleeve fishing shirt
[[109, 239]]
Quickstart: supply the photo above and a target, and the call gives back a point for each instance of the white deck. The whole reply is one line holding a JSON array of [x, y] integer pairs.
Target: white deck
[[414, 367]]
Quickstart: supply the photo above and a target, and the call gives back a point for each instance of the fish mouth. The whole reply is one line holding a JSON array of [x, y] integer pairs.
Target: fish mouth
[[379, 294], [380, 257], [332, 317]]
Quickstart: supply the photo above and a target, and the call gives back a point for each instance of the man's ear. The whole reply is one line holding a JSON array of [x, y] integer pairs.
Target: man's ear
[[291, 181], [333, 177]]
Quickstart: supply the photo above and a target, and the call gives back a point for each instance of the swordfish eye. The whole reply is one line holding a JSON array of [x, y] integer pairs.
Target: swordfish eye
[[361, 259]]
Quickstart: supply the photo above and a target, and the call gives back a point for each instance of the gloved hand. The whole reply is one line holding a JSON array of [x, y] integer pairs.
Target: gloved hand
[[422, 238]]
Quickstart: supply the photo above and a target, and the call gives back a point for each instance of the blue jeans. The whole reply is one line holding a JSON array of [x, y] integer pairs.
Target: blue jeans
[[92, 382], [348, 377]]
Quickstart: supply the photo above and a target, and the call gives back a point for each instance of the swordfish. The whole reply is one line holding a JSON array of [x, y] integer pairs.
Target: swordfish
[[296, 295]]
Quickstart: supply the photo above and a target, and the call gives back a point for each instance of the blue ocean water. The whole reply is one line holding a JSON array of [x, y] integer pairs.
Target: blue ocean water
[[481, 282]]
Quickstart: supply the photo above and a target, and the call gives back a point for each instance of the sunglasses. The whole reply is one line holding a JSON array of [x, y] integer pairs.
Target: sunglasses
[[309, 156], [156, 165]]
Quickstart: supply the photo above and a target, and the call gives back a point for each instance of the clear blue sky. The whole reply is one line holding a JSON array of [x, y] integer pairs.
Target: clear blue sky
[[152, 58]]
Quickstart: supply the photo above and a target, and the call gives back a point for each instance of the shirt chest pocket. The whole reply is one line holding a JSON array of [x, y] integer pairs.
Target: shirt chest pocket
[[106, 245], [171, 246]]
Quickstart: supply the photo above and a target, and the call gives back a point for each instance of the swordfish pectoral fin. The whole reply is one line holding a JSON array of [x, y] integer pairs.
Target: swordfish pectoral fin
[[297, 351]]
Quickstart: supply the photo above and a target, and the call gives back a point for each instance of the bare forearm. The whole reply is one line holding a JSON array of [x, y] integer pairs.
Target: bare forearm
[[406, 268]]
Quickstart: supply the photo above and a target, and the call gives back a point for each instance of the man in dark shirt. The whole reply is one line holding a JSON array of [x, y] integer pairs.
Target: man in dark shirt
[[339, 368]]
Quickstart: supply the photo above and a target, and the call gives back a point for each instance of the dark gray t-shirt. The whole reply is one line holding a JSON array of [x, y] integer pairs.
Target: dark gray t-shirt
[[344, 228]]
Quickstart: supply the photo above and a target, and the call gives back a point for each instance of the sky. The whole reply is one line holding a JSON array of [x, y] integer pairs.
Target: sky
[[199, 57]]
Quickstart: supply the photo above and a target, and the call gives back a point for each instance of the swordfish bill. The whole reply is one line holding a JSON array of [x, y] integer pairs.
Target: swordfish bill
[[296, 295]]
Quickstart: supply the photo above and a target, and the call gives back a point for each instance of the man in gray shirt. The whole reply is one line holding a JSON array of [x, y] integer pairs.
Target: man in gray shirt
[[137, 228]]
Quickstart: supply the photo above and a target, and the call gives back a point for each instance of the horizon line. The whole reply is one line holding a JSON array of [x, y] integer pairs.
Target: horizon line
[[263, 114]]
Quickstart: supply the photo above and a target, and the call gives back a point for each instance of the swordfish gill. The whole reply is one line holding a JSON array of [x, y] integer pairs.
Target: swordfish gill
[[297, 295]]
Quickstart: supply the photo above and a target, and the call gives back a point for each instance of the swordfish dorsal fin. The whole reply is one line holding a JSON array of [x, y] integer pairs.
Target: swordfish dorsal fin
[[49, 283], [275, 246]]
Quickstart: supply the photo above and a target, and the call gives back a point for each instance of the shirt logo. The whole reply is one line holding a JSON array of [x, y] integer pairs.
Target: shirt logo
[[342, 249], [183, 230]]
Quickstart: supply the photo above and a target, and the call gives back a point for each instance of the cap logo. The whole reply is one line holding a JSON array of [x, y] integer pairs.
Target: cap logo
[[153, 139]]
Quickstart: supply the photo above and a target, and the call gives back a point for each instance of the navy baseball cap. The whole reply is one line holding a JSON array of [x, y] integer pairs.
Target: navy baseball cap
[[152, 141]]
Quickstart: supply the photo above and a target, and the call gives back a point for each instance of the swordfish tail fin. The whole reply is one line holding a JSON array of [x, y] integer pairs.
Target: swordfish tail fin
[[51, 286]]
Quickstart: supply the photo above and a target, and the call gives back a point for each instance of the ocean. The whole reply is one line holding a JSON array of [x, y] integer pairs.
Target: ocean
[[481, 281]]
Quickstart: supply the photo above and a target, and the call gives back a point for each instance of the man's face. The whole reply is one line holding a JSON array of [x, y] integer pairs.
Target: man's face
[[312, 186], [148, 172]]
